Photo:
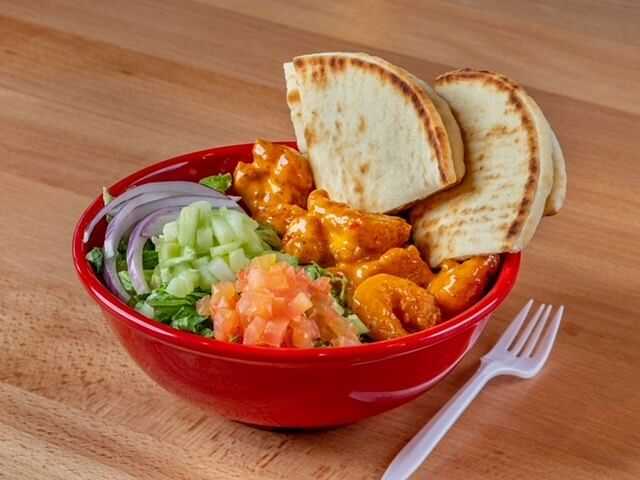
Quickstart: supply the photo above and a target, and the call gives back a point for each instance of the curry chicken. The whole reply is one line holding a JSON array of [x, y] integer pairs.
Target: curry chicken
[[388, 285]]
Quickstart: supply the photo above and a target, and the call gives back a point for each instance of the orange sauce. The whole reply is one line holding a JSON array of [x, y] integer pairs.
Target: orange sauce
[[275, 185]]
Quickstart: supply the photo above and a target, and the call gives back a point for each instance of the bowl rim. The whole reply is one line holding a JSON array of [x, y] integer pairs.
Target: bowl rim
[[110, 303]]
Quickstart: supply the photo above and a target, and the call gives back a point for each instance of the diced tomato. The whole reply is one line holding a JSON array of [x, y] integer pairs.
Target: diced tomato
[[254, 330], [274, 304]]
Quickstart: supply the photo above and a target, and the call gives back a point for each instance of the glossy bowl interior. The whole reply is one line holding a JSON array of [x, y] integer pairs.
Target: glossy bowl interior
[[292, 388]]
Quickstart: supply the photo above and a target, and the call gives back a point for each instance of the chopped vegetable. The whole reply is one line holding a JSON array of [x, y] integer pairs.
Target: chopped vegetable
[[269, 235], [95, 257], [106, 196], [221, 182], [275, 304], [149, 258], [338, 282], [125, 280], [179, 312], [203, 246]]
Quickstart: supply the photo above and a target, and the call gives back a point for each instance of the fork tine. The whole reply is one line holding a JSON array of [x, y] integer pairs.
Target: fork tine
[[547, 341], [511, 332], [535, 335], [527, 331]]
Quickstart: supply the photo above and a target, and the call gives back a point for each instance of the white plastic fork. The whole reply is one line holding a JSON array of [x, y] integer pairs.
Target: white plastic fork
[[521, 355]]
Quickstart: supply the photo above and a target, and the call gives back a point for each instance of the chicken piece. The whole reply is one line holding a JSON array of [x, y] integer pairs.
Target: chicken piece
[[391, 306], [401, 262], [275, 185], [459, 285], [305, 239], [353, 234]]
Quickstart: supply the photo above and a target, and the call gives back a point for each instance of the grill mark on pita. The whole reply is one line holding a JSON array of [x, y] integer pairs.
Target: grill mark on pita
[[534, 166], [309, 137], [337, 63], [485, 76], [364, 168], [500, 130], [299, 64], [293, 97], [362, 125]]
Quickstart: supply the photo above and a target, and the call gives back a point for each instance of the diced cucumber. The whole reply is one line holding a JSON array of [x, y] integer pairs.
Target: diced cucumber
[[238, 260], [219, 268], [168, 250], [254, 246], [201, 261], [165, 275], [203, 246], [206, 277], [184, 283], [204, 212], [191, 275], [237, 222], [187, 225], [188, 255], [178, 269], [222, 230], [179, 287], [221, 250], [204, 239], [170, 232]]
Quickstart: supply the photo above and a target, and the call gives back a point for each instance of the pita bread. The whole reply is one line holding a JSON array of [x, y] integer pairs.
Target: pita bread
[[508, 153], [377, 138], [555, 200]]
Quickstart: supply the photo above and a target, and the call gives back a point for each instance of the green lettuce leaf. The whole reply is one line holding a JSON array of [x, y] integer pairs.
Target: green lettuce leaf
[[221, 182], [95, 257], [269, 236]]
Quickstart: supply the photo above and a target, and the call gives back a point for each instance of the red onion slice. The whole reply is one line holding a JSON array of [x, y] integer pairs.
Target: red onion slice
[[152, 225], [175, 188], [112, 280]]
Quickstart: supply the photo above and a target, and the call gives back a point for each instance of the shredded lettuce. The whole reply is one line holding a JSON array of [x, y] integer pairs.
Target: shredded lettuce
[[106, 196], [178, 312], [95, 257], [315, 271], [339, 283], [186, 318], [149, 259], [269, 236], [221, 182], [125, 280]]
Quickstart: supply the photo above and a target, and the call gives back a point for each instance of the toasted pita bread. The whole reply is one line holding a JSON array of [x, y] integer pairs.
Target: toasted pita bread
[[377, 138], [555, 200], [508, 155]]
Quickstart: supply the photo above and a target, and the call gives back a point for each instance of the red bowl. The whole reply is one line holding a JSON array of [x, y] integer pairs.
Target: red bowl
[[292, 388]]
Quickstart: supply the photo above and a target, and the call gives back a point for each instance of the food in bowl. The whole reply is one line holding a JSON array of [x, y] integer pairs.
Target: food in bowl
[[316, 273], [310, 249]]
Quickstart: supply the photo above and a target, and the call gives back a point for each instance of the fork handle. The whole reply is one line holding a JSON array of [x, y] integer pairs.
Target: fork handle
[[420, 446]]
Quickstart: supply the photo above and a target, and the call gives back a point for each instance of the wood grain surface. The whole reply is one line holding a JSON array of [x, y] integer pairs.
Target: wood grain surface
[[90, 91]]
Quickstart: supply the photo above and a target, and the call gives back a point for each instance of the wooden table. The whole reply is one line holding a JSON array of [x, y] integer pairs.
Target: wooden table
[[90, 91]]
